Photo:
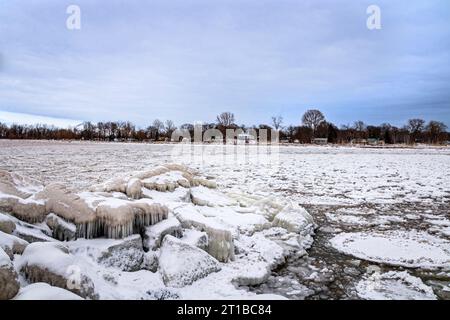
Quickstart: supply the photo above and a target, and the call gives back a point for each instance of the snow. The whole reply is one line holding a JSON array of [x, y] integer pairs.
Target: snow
[[195, 238], [12, 244], [32, 233], [203, 196], [294, 219], [401, 248], [239, 214], [43, 291], [232, 218], [181, 264], [393, 286], [178, 195], [155, 234], [166, 181], [47, 255], [5, 261]]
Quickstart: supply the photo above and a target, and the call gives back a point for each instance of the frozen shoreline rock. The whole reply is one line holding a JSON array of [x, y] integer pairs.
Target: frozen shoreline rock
[[262, 254], [12, 244], [203, 196], [196, 238], [52, 263], [155, 234], [134, 189], [295, 218], [181, 264], [32, 233], [102, 230], [220, 238], [17, 195], [7, 225], [123, 254], [44, 291], [127, 255], [69, 206], [61, 230], [9, 284]]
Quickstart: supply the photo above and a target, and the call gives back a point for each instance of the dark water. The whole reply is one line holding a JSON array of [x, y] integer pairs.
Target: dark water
[[325, 273]]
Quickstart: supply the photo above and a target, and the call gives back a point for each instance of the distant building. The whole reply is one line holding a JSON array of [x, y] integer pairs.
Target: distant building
[[359, 141], [245, 138], [320, 141], [375, 142]]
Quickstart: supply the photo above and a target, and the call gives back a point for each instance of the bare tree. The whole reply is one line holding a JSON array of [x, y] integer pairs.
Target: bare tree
[[359, 126], [277, 122], [415, 126], [312, 119], [225, 119], [170, 127], [158, 127], [435, 130]]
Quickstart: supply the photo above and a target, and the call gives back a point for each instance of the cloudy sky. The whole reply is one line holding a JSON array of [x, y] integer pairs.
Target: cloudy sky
[[188, 60]]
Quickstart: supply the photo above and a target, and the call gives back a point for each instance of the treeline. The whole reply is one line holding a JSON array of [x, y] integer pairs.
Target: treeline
[[313, 125]]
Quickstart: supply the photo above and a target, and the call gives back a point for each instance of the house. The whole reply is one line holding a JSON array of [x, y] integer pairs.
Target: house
[[320, 141], [375, 142], [359, 141], [245, 138]]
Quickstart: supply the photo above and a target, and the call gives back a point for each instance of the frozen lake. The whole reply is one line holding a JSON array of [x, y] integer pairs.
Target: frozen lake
[[379, 211]]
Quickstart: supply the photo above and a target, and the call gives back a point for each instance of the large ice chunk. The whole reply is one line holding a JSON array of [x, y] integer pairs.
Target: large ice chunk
[[393, 285], [181, 264]]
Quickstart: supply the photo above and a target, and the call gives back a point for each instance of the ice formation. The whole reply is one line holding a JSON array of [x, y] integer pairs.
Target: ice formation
[[220, 238], [155, 234], [182, 264], [12, 244], [147, 235], [412, 249], [17, 196], [9, 285], [122, 254], [394, 286], [52, 263], [61, 229], [7, 225]]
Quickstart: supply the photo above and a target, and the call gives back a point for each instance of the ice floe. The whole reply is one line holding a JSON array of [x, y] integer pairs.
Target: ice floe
[[400, 248]]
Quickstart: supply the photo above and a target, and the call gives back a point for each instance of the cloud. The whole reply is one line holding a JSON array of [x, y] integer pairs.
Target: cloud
[[173, 60]]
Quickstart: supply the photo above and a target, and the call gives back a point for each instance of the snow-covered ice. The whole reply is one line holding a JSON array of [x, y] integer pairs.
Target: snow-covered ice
[[394, 286], [382, 207], [412, 249]]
